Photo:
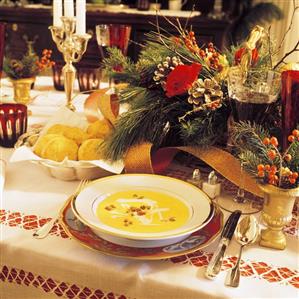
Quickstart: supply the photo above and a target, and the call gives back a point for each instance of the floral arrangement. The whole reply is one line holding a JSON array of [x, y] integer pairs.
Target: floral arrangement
[[30, 65], [260, 155], [177, 90]]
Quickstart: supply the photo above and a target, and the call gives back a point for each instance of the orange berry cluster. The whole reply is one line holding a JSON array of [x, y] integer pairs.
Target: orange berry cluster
[[292, 176], [190, 42], [213, 56], [271, 172], [45, 61], [272, 154], [294, 136], [268, 170]]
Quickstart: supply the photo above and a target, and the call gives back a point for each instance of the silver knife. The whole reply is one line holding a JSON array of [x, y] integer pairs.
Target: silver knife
[[215, 263]]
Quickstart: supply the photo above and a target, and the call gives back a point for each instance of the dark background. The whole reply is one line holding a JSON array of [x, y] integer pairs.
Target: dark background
[[205, 6]]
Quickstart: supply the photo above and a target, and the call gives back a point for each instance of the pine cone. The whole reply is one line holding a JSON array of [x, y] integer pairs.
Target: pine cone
[[204, 92], [164, 68]]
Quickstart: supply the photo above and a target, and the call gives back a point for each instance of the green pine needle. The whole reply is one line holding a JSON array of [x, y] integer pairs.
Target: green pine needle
[[145, 121]]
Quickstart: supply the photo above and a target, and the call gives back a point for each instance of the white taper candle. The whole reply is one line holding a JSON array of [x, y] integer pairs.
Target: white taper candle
[[69, 8], [81, 17], [57, 13]]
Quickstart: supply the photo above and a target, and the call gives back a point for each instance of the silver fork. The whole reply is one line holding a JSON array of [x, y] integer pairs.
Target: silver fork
[[43, 231]]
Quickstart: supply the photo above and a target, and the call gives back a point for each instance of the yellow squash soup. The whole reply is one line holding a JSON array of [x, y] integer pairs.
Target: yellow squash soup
[[142, 211]]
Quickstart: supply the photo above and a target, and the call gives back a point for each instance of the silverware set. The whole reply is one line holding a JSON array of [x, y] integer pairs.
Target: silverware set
[[43, 231], [246, 232]]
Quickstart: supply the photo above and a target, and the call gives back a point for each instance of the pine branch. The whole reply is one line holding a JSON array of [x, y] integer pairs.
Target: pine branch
[[163, 40], [294, 152], [250, 161], [205, 128], [145, 121], [116, 60], [248, 137], [23, 68], [131, 93]]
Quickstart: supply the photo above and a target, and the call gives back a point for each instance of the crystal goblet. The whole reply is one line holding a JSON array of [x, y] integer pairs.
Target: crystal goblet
[[112, 35]]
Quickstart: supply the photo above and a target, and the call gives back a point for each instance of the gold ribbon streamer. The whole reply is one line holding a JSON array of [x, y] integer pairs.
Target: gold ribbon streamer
[[227, 165], [107, 106], [139, 159]]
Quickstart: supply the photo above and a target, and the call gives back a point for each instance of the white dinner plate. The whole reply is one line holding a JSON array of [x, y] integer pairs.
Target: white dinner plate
[[173, 209]]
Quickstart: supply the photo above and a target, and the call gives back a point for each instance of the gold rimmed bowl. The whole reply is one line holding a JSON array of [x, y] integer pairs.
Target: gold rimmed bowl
[[143, 210]]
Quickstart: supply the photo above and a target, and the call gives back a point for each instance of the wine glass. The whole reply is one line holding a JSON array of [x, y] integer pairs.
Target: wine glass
[[112, 35], [2, 38], [250, 100]]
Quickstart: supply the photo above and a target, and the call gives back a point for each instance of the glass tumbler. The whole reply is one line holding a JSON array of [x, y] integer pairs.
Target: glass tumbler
[[88, 78], [58, 79], [13, 123]]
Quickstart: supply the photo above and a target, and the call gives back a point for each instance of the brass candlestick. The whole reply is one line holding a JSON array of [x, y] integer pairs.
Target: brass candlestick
[[72, 46]]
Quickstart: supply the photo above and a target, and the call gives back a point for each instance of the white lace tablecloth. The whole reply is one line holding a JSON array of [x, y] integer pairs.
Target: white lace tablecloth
[[58, 266]]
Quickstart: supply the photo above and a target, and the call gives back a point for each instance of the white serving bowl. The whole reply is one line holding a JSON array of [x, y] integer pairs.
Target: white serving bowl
[[71, 173]]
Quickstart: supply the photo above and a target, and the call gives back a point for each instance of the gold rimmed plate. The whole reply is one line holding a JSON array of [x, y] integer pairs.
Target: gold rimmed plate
[[143, 210], [83, 234]]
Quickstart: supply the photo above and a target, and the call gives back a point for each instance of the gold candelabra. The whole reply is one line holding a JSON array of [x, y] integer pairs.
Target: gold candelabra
[[72, 46]]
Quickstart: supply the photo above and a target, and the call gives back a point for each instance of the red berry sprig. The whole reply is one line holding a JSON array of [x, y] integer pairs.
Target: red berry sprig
[[214, 57], [190, 42], [45, 61]]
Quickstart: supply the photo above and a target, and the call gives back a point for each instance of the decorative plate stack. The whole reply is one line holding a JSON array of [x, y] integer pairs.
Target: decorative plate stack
[[142, 216]]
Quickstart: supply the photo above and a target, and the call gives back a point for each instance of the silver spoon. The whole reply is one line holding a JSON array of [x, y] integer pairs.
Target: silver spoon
[[246, 233]]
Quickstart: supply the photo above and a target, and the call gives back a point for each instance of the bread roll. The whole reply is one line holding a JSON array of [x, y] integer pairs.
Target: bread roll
[[73, 133], [90, 149], [99, 129], [42, 142], [58, 148]]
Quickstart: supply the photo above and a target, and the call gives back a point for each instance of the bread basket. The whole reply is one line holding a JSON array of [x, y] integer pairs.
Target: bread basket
[[65, 170]]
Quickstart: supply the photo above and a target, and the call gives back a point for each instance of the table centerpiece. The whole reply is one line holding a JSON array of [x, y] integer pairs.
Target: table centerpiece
[[22, 72], [177, 91]]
